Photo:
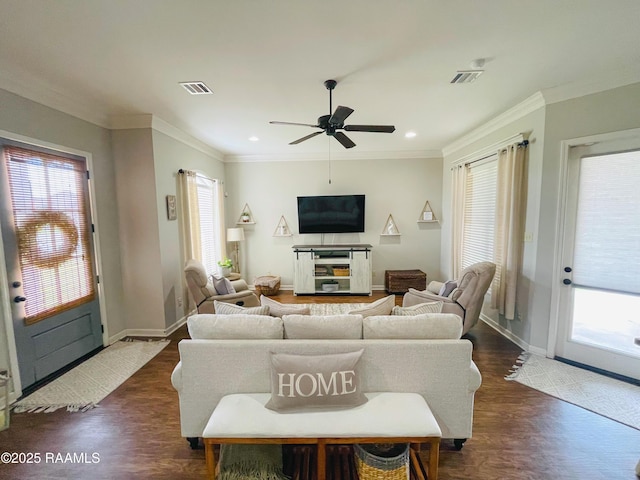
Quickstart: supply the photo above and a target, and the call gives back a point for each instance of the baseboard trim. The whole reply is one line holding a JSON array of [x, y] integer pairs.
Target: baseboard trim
[[150, 332], [512, 337]]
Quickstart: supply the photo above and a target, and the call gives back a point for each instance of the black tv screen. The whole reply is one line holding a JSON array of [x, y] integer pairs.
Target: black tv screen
[[331, 214]]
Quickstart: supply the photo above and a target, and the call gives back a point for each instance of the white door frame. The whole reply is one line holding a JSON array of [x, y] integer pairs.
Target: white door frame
[[556, 281], [5, 311]]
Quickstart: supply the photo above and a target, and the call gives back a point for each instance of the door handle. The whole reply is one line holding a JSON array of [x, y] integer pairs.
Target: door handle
[[19, 299], [566, 281], [567, 269]]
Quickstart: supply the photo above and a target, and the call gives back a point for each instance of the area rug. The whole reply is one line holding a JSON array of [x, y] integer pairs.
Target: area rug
[[251, 462], [83, 387], [611, 398]]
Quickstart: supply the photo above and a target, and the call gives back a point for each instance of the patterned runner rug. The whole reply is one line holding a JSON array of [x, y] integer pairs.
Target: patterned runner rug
[[614, 399], [83, 387]]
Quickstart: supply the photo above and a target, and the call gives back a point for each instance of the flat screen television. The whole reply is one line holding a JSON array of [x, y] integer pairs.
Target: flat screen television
[[331, 214]]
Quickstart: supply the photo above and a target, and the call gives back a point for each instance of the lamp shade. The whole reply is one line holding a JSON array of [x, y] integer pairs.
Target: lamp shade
[[235, 234]]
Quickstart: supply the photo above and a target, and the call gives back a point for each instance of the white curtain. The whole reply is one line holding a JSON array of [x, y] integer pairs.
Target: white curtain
[[458, 189], [509, 228], [190, 215]]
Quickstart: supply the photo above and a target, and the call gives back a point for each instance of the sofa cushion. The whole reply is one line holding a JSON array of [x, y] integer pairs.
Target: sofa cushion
[[379, 307], [222, 285], [424, 326], [300, 382], [224, 308], [323, 326], [277, 309], [420, 308], [232, 327]]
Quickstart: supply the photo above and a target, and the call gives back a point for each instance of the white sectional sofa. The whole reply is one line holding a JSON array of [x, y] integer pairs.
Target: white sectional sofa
[[422, 354]]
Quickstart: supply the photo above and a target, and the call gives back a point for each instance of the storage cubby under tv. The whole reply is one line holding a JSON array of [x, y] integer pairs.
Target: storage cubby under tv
[[344, 269]]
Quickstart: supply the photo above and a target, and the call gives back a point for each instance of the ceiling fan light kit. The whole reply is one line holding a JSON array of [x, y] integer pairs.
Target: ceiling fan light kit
[[333, 123]]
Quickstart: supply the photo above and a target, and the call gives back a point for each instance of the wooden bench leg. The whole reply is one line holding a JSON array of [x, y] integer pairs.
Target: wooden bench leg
[[321, 468], [210, 458], [434, 458]]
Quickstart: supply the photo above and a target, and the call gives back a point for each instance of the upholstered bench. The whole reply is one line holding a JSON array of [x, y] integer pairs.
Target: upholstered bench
[[386, 417]]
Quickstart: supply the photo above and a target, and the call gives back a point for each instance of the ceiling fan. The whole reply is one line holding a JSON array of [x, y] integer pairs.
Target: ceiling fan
[[332, 123]]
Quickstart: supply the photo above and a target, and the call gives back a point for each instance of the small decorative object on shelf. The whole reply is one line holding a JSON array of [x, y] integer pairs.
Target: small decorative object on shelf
[[427, 215], [246, 217], [282, 230], [390, 227]]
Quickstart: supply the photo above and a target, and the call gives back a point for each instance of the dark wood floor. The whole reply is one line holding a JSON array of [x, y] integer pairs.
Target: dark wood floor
[[519, 433]]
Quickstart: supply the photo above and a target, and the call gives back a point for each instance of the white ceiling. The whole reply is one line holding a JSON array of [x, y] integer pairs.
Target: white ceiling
[[267, 60]]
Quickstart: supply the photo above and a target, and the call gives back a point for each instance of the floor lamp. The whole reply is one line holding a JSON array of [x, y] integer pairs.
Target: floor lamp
[[236, 235]]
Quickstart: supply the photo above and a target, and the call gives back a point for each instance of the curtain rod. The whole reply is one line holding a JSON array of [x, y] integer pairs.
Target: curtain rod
[[520, 139]]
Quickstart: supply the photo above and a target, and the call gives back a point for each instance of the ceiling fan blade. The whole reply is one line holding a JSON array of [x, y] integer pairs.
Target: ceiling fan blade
[[370, 128], [340, 115], [344, 140], [295, 142], [292, 123]]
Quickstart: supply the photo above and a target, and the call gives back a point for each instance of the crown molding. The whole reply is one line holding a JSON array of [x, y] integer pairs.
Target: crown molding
[[34, 89], [126, 122], [580, 89], [316, 157], [531, 104]]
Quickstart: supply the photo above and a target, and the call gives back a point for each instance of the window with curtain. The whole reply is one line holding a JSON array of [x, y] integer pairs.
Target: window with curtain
[[204, 219], [488, 196]]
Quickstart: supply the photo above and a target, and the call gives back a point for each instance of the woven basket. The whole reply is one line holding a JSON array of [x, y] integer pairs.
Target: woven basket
[[341, 271], [374, 464], [263, 288]]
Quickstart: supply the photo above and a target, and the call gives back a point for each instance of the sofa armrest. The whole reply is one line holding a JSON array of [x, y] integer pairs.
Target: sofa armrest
[[475, 378], [434, 287], [176, 377], [414, 297]]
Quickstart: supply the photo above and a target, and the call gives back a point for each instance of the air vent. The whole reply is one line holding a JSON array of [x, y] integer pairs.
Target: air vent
[[196, 88], [466, 76]]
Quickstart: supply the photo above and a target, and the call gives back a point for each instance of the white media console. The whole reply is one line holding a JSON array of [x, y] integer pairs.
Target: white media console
[[332, 269]]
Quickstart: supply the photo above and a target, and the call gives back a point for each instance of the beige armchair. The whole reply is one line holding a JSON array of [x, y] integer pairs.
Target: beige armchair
[[204, 293], [464, 300]]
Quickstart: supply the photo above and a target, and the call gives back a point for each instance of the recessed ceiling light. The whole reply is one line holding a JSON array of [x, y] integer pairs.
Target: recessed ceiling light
[[196, 88], [253, 139], [410, 134]]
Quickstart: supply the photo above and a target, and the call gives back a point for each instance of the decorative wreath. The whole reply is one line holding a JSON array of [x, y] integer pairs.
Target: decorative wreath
[[32, 252]]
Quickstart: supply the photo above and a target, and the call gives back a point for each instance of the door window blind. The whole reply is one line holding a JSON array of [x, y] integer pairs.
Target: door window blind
[[49, 205], [607, 239]]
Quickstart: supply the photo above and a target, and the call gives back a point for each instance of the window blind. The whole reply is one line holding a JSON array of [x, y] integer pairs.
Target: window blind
[[49, 205], [607, 240], [210, 235], [480, 212]]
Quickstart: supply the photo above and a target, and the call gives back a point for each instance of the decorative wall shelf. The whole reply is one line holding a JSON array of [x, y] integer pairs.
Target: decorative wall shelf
[[246, 217], [427, 215], [390, 228], [282, 230]]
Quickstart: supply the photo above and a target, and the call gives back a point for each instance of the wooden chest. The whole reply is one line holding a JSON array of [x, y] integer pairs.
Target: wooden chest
[[399, 281]]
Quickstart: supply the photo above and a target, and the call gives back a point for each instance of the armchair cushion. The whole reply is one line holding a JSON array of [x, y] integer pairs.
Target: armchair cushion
[[222, 285], [447, 288]]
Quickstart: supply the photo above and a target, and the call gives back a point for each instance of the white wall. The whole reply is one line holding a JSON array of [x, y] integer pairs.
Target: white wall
[[392, 186], [170, 155]]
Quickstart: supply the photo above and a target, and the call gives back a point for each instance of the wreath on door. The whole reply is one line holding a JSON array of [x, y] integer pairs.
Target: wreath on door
[[47, 254]]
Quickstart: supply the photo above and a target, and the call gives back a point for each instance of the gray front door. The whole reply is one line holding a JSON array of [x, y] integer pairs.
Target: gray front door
[[47, 235]]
